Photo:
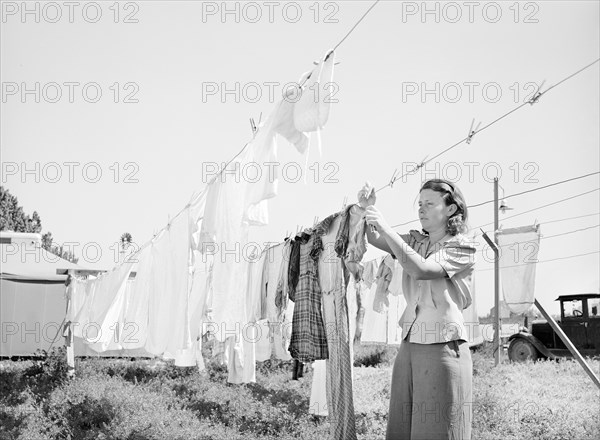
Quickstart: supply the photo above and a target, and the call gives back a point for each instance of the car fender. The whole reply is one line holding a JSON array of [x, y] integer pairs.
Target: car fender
[[535, 342]]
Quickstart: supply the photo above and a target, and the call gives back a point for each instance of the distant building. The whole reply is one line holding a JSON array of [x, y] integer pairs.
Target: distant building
[[505, 312]]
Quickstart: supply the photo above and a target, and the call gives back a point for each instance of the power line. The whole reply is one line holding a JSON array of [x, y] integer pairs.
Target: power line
[[570, 218], [569, 232], [513, 195], [546, 237], [543, 261], [536, 189], [552, 221], [543, 206]]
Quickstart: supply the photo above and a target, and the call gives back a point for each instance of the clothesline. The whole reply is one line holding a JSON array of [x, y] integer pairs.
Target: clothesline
[[242, 150], [468, 139], [472, 132]]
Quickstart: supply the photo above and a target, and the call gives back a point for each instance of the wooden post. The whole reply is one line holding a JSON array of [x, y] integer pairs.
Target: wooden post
[[496, 279], [568, 343], [68, 332]]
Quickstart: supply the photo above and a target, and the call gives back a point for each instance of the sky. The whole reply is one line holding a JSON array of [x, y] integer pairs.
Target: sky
[[114, 114]]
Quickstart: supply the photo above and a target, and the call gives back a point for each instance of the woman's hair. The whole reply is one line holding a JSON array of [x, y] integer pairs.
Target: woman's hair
[[451, 195]]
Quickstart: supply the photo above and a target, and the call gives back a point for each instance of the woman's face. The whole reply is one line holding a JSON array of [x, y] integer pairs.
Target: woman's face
[[433, 212]]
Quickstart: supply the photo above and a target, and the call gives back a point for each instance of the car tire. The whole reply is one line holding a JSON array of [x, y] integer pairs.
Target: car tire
[[521, 350]]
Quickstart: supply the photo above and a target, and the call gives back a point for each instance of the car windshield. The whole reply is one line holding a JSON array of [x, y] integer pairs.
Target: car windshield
[[573, 309], [594, 307]]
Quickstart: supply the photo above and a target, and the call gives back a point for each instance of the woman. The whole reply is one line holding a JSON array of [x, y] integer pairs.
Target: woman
[[431, 395]]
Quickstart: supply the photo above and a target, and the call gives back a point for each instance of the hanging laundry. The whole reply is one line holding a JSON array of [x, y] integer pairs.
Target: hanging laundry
[[135, 316], [271, 275], [257, 286], [75, 295], [351, 241], [312, 109], [370, 272], [233, 205], [281, 331], [81, 318], [308, 342], [197, 303], [224, 243], [274, 341], [384, 304], [333, 281], [197, 207], [242, 351], [281, 293], [519, 248], [311, 112], [318, 390], [389, 280], [168, 326], [363, 289], [97, 322], [375, 323]]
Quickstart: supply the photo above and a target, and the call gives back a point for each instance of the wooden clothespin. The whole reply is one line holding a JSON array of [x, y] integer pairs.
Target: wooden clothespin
[[537, 95], [316, 63], [393, 179], [422, 163], [345, 202], [472, 132]]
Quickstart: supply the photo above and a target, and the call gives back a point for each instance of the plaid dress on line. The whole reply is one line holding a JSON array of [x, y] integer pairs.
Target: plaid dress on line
[[308, 342]]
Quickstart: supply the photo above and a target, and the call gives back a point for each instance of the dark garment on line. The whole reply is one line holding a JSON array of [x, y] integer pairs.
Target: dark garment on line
[[342, 238], [308, 342]]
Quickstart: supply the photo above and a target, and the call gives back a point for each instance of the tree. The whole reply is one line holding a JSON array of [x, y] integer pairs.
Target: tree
[[126, 241], [13, 218]]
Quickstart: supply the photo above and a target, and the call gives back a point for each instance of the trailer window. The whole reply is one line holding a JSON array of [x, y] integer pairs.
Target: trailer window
[[594, 307], [573, 309]]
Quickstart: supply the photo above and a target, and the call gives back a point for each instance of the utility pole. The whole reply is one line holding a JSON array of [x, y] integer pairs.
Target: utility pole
[[496, 279]]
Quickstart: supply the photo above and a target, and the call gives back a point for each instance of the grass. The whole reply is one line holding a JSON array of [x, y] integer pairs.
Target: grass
[[135, 400]]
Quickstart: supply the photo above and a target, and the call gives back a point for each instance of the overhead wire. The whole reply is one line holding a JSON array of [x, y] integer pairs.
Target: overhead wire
[[543, 206], [543, 261], [516, 194]]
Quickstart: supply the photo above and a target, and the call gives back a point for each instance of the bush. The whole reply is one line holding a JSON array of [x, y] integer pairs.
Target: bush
[[135, 400], [374, 355]]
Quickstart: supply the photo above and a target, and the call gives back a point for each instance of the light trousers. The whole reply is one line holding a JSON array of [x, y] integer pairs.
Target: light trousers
[[431, 392]]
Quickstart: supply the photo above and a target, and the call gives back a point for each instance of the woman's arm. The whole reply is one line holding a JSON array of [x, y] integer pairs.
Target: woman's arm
[[378, 242], [415, 265]]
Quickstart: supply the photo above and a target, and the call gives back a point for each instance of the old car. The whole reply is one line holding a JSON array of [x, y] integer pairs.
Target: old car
[[579, 320]]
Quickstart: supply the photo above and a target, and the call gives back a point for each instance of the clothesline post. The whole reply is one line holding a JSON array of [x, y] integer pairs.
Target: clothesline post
[[68, 333], [496, 280]]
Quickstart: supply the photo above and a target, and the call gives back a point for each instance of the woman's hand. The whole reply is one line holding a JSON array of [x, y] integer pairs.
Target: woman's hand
[[366, 195], [374, 217]]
